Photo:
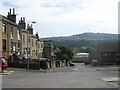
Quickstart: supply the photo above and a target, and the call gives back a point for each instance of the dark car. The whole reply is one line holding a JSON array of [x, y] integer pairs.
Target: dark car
[[4, 63], [72, 64]]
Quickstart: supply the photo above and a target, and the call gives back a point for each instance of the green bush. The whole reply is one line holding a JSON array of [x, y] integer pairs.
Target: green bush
[[66, 53]]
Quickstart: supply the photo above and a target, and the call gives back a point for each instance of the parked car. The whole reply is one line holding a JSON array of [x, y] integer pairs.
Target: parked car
[[72, 64], [4, 63]]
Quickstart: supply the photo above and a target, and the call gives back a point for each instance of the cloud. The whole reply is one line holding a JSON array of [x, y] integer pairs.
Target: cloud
[[66, 17]]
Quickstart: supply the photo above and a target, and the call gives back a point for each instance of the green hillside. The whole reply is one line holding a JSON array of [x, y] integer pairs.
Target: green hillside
[[83, 40]]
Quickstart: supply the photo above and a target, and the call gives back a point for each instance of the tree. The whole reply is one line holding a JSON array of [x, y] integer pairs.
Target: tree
[[65, 53], [88, 49]]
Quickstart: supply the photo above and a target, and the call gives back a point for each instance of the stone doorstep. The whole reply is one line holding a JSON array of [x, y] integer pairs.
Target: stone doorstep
[[107, 69], [7, 72], [110, 79], [11, 71], [114, 82]]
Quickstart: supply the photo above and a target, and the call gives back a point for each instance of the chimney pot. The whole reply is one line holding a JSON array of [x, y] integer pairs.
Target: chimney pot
[[27, 25], [10, 11], [24, 19], [13, 11], [21, 19]]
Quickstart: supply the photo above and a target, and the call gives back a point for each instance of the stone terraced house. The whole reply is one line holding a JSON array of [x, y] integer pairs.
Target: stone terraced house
[[17, 39]]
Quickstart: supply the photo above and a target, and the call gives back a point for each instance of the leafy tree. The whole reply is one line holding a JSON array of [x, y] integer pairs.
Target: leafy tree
[[66, 53], [88, 49]]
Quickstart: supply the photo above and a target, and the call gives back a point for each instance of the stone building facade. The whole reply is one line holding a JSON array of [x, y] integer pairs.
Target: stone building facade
[[40, 47], [17, 39], [11, 40], [34, 49], [107, 53], [32, 43], [48, 50]]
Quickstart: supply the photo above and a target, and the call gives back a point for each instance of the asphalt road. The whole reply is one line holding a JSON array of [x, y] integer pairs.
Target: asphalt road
[[79, 76]]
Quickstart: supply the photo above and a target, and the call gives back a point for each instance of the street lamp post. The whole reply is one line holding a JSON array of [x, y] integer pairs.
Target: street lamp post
[[33, 22]]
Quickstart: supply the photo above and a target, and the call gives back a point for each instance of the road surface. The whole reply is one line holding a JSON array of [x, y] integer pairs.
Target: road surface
[[79, 76]]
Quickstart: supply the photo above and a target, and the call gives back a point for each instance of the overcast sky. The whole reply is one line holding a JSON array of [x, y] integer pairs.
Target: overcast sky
[[66, 17]]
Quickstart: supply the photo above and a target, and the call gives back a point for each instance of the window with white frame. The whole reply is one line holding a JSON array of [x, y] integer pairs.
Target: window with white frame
[[18, 34], [29, 39], [11, 33], [4, 28]]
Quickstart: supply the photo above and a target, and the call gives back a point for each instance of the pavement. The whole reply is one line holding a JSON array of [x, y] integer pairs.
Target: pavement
[[79, 76]]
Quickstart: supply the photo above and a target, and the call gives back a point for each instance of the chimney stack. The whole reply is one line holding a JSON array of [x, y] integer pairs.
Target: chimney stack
[[31, 25], [37, 35], [30, 29], [12, 17], [22, 23]]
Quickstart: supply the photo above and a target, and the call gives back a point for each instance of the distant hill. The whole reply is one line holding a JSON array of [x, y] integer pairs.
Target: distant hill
[[84, 39], [86, 36]]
